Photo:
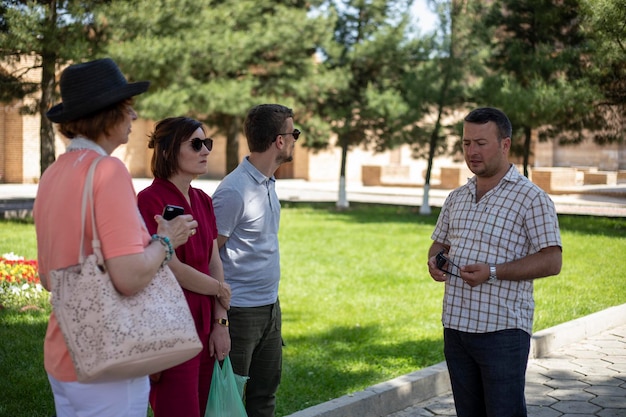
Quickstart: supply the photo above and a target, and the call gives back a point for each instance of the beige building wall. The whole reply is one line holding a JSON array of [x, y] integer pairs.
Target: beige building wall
[[20, 156], [20, 153], [31, 156], [135, 154], [217, 159], [587, 154], [19, 146], [10, 144], [325, 165], [19, 133], [605, 158]]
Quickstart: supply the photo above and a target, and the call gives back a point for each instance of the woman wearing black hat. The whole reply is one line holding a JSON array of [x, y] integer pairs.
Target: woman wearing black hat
[[96, 114]]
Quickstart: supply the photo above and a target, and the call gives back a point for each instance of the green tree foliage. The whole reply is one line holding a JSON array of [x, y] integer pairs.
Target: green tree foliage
[[350, 66], [605, 66], [438, 83], [53, 33], [366, 60], [213, 60], [537, 61]]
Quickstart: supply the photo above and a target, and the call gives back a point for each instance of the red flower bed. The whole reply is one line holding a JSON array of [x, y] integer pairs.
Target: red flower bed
[[19, 282]]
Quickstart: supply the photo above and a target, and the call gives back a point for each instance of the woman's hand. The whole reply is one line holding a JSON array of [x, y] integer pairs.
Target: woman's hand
[[178, 230], [223, 295], [219, 342]]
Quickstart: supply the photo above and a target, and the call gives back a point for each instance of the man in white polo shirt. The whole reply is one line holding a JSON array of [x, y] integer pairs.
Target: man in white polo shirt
[[247, 210]]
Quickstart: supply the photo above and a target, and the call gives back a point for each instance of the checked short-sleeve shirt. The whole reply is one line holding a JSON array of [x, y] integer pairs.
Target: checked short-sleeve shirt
[[513, 220]]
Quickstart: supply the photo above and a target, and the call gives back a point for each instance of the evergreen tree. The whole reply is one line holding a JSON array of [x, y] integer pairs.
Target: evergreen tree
[[365, 62], [438, 84], [54, 33], [537, 62], [605, 67], [213, 60]]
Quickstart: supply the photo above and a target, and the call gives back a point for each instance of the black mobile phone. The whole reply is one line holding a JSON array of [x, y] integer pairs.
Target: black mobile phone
[[170, 211]]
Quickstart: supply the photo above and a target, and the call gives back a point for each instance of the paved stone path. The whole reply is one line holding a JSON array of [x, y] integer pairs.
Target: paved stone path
[[586, 378], [591, 200]]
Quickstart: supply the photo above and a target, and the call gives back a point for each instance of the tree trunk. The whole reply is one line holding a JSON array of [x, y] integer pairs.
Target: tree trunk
[[448, 64], [48, 83], [527, 142], [232, 144], [342, 201]]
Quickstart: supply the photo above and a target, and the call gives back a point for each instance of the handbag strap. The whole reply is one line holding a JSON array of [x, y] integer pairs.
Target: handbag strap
[[88, 195]]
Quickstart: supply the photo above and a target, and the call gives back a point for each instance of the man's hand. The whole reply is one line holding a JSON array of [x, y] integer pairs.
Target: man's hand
[[475, 274]]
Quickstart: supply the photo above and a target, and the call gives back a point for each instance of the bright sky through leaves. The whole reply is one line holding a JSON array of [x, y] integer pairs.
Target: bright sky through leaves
[[425, 18]]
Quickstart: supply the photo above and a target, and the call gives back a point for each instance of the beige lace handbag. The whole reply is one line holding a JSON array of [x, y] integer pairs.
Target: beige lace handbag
[[111, 336]]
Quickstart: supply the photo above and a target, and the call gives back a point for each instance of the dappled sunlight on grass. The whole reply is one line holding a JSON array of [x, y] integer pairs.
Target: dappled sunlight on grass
[[359, 306]]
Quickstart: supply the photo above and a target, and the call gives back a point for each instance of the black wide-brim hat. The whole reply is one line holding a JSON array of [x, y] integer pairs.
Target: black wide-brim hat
[[92, 86]]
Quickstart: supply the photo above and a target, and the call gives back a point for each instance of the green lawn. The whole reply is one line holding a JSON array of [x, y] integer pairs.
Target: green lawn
[[358, 304]]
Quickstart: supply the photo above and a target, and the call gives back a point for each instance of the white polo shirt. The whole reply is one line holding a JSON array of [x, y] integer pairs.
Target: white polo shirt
[[247, 211]]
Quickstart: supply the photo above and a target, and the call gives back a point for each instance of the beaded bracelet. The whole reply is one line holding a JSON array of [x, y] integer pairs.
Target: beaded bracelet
[[165, 241]]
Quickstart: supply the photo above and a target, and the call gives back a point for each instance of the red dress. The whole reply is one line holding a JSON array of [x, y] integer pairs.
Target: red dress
[[184, 389]]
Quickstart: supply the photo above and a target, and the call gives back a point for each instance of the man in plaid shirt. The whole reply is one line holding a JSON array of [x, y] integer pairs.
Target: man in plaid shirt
[[494, 236]]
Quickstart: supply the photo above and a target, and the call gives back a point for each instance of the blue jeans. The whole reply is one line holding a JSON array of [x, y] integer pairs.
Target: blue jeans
[[488, 372]]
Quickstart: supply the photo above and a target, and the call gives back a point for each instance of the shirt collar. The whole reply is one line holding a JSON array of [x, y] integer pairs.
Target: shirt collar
[[257, 175], [81, 143], [512, 175]]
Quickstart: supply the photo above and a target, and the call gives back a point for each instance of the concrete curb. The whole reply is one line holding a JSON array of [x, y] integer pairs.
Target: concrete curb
[[386, 397], [548, 340], [410, 389]]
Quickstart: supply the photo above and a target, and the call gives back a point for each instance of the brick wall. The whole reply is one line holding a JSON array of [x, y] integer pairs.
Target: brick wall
[[11, 144]]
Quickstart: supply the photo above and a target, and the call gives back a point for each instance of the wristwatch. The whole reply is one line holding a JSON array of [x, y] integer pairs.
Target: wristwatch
[[222, 321], [492, 274]]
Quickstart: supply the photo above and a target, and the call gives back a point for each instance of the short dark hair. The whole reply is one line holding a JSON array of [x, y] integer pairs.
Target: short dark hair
[[94, 124], [166, 139], [263, 123], [484, 115]]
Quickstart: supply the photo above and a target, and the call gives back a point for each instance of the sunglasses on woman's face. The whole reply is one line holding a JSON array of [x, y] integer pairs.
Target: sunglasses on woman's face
[[196, 144]]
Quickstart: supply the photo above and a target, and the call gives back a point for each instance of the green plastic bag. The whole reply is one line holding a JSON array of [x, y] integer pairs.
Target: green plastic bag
[[226, 392]]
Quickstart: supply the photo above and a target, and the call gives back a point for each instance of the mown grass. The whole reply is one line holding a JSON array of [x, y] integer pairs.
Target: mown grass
[[24, 383], [358, 304]]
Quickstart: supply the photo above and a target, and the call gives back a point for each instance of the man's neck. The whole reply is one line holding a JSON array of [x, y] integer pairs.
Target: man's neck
[[484, 184], [264, 162]]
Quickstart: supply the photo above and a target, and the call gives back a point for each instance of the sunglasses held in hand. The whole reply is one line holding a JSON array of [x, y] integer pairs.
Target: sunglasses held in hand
[[442, 261]]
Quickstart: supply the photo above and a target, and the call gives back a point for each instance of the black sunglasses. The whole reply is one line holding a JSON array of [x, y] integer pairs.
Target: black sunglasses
[[196, 144], [442, 260], [295, 133]]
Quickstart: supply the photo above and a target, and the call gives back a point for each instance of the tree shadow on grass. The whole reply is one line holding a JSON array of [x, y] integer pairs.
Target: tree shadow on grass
[[593, 225], [373, 213], [383, 213], [322, 366]]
